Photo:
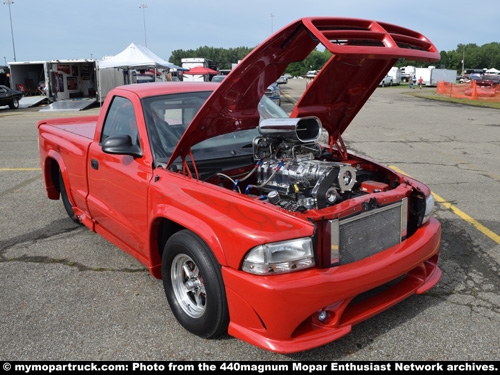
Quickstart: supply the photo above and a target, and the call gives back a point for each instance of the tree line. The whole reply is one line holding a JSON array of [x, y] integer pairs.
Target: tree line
[[224, 58], [466, 56]]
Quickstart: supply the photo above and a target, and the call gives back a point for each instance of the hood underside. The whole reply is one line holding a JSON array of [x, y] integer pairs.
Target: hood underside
[[363, 51]]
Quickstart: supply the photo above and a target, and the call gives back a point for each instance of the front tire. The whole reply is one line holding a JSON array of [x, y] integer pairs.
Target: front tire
[[193, 285]]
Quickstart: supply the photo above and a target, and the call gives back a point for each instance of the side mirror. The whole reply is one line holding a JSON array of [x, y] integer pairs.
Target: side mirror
[[121, 145]]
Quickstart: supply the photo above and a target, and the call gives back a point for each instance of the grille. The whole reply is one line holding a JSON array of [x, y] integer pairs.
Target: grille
[[368, 233]]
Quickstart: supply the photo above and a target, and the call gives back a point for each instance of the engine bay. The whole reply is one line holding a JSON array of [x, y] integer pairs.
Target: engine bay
[[294, 171]]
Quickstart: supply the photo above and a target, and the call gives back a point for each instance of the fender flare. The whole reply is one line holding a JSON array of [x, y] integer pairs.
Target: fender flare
[[192, 223], [52, 192]]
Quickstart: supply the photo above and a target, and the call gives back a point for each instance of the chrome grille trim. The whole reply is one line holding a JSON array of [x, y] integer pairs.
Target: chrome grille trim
[[368, 233]]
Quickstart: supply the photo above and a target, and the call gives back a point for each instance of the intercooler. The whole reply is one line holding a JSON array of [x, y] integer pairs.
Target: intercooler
[[367, 233]]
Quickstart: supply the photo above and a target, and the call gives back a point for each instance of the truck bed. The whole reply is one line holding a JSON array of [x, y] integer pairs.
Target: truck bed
[[83, 126], [63, 144]]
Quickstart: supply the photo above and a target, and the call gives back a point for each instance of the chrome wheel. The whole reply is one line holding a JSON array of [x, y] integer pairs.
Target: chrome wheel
[[193, 285], [188, 286]]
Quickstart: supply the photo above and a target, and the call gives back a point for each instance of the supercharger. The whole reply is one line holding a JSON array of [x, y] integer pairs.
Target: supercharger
[[289, 170]]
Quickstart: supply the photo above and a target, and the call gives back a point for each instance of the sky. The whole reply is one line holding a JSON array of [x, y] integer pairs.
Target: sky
[[45, 30]]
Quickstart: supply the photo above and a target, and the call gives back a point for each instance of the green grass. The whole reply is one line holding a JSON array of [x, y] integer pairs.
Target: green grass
[[475, 103], [430, 93]]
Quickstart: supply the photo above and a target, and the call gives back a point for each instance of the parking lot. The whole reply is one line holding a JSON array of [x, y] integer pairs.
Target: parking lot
[[68, 294]]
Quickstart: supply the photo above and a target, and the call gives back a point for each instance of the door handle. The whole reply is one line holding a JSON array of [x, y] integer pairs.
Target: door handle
[[94, 164]]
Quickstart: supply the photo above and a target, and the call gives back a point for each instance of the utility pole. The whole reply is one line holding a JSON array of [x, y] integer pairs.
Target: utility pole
[[144, 6], [463, 59], [272, 26], [8, 2]]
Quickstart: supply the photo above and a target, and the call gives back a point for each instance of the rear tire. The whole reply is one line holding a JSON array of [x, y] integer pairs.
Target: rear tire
[[193, 285], [14, 104], [67, 204]]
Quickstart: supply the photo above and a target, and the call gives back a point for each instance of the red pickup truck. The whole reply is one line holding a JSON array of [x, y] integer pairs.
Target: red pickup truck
[[260, 223], [488, 80]]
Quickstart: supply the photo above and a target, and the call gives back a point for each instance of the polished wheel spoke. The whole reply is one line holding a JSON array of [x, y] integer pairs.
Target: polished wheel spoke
[[188, 286]]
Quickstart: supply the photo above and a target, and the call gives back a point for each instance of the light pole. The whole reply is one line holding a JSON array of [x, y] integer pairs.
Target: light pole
[[463, 59], [143, 6], [8, 2], [272, 26]]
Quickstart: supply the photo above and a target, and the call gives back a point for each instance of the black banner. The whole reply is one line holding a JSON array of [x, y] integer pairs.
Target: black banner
[[233, 367]]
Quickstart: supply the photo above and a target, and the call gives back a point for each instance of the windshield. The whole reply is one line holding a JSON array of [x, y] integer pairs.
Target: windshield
[[168, 116]]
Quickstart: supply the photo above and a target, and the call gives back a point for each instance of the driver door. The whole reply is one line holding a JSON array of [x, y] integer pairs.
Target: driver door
[[118, 184]]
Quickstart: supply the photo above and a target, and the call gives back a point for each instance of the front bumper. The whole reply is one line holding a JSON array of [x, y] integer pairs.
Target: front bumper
[[281, 313]]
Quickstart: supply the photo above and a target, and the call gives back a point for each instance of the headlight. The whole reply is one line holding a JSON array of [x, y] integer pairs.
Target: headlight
[[429, 207], [279, 257]]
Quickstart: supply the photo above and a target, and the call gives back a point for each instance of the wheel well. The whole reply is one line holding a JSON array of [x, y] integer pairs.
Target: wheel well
[[51, 177], [54, 174], [161, 230]]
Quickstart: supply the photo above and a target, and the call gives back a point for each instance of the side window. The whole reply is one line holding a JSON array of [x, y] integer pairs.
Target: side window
[[120, 120]]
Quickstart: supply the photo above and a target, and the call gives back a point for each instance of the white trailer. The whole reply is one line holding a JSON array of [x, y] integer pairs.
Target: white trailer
[[407, 72], [395, 73], [55, 80], [432, 76], [440, 75], [425, 74], [109, 78], [191, 62], [27, 77]]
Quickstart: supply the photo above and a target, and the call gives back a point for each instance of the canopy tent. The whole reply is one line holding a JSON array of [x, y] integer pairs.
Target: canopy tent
[[201, 70], [493, 71], [136, 56], [133, 57]]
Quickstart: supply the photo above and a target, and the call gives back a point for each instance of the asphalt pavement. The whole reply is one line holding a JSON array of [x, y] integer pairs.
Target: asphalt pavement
[[68, 294]]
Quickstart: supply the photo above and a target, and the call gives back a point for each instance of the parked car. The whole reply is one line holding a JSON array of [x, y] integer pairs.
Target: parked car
[[218, 78], [470, 77], [273, 92], [311, 73], [261, 224], [488, 80], [282, 80], [144, 78], [386, 81], [10, 97]]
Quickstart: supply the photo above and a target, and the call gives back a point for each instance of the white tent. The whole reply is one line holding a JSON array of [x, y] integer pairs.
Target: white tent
[[132, 57], [493, 71], [135, 56]]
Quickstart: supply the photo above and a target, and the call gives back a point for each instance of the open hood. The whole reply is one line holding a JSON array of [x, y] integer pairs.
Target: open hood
[[363, 51]]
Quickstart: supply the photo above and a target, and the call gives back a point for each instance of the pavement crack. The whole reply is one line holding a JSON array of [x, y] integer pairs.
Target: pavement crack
[[469, 275], [19, 186], [55, 228], [69, 263]]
